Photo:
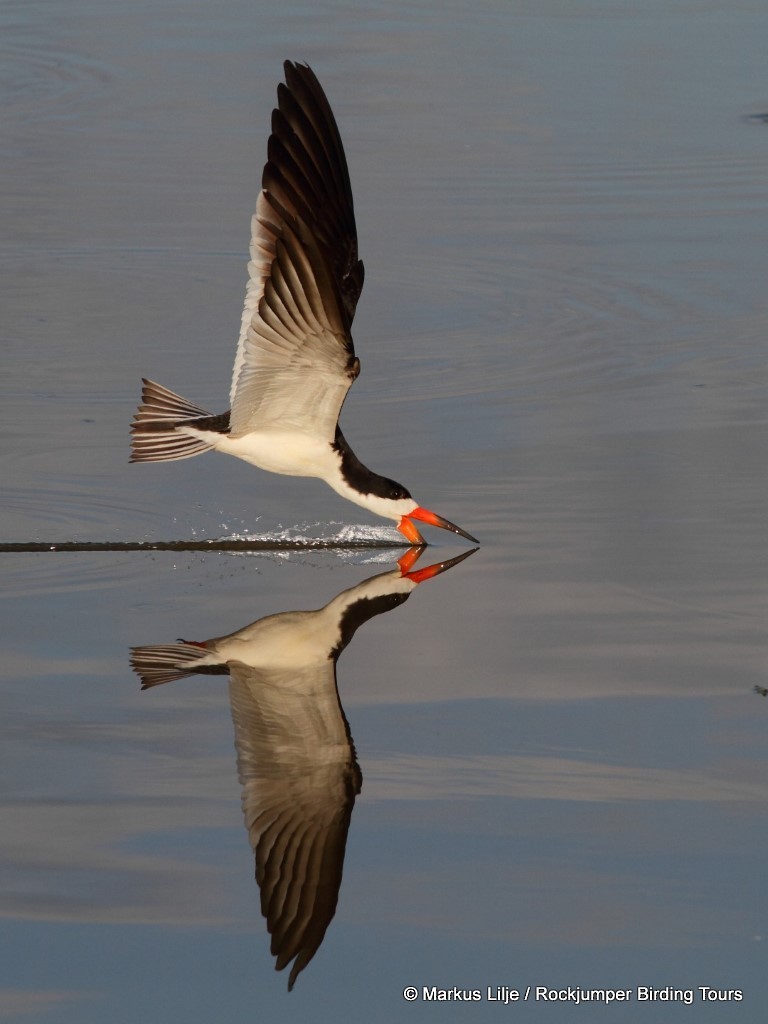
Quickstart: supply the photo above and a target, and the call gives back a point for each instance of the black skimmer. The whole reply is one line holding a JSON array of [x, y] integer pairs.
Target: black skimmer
[[295, 358], [295, 756]]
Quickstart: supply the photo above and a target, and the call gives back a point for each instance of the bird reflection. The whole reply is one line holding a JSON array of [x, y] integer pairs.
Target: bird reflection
[[295, 756]]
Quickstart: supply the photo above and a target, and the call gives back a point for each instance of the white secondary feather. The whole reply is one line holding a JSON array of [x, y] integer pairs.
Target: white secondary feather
[[292, 369], [264, 230]]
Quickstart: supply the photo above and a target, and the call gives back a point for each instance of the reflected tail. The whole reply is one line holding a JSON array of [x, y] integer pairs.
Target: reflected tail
[[164, 663]]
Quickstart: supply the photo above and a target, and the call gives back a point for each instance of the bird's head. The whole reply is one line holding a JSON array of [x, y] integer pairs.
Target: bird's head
[[395, 502], [383, 496]]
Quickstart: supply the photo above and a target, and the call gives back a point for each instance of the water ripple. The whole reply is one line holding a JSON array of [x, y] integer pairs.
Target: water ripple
[[45, 76]]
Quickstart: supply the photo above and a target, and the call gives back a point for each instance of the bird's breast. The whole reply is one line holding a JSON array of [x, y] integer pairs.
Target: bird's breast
[[291, 454]]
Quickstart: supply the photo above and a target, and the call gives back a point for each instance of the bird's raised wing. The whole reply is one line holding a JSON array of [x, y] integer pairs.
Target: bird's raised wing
[[295, 360]]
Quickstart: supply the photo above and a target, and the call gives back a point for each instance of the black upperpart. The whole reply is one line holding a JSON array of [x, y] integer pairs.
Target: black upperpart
[[307, 178], [218, 423], [361, 478]]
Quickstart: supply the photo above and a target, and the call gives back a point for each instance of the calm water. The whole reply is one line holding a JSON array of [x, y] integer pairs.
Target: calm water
[[563, 213]]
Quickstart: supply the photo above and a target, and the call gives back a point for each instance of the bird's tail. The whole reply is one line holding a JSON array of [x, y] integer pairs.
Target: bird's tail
[[154, 437], [163, 663]]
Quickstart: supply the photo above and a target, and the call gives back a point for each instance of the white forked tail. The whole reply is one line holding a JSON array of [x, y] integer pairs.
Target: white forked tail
[[154, 437]]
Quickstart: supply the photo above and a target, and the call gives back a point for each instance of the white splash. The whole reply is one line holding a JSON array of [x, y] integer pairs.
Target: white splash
[[332, 534], [341, 540]]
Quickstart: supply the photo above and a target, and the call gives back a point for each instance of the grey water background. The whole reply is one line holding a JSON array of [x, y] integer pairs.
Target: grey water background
[[563, 215]]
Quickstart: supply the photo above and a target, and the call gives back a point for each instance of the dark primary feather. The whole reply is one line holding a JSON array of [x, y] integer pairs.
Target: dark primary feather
[[307, 179]]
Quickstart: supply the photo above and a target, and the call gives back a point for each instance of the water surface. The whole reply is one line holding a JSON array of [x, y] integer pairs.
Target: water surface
[[563, 216]]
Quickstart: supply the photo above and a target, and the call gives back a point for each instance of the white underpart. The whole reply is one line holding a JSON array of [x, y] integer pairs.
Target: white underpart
[[291, 640], [299, 454]]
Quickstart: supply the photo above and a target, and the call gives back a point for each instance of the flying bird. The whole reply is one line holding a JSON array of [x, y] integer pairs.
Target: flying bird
[[295, 359]]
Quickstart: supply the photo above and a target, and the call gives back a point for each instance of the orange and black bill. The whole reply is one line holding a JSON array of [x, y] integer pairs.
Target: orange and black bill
[[408, 528], [411, 556]]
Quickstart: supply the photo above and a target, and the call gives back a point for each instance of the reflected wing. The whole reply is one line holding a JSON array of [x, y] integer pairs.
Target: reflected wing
[[295, 360], [297, 767]]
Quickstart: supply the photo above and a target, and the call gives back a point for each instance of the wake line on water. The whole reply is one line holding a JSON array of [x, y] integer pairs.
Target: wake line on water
[[290, 539], [198, 545]]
